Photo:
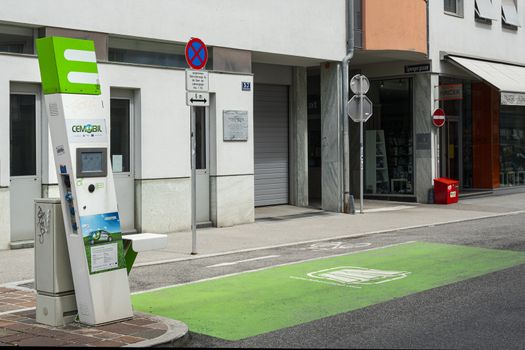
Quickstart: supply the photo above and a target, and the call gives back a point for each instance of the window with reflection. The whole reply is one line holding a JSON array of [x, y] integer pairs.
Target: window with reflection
[[389, 161]]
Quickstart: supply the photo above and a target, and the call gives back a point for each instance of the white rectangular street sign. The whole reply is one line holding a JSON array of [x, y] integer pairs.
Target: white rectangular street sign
[[196, 99], [197, 80]]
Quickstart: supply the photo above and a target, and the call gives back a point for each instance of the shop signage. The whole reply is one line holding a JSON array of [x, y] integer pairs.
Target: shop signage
[[449, 92], [438, 117], [196, 53], [512, 99], [235, 125], [417, 68]]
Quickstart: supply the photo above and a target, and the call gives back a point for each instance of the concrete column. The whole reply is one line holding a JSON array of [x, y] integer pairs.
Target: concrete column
[[331, 145], [299, 139], [425, 140]]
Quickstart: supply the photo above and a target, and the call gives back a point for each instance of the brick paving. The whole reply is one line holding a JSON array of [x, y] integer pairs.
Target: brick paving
[[14, 299], [20, 328]]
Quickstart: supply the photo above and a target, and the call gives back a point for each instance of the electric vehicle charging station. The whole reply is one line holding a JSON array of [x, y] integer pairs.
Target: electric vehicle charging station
[[80, 141]]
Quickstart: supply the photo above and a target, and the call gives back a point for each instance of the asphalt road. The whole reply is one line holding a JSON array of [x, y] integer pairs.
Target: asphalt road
[[482, 312]]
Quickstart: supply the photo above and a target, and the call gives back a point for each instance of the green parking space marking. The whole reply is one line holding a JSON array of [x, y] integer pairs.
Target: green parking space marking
[[253, 303]]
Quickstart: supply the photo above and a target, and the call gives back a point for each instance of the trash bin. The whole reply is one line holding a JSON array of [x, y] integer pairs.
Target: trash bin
[[446, 191]]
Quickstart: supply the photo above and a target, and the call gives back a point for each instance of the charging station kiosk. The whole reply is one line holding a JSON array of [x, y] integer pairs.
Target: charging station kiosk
[[79, 134]]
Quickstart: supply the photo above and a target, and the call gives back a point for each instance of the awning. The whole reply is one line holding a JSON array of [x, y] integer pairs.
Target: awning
[[509, 79]]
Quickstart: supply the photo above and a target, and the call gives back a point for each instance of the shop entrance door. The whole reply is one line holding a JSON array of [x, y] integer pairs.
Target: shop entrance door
[[452, 149], [122, 159], [25, 166]]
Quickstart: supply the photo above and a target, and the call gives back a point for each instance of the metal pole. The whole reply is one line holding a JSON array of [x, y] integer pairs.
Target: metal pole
[[346, 140], [361, 155], [193, 184]]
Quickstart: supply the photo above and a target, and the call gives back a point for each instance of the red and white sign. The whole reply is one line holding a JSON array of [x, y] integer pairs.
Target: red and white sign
[[438, 117]]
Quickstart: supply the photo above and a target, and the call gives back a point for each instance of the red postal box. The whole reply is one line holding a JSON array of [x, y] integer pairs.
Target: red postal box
[[446, 191]]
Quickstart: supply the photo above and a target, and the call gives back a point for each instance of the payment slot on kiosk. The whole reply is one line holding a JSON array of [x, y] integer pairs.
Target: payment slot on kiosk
[[79, 134]]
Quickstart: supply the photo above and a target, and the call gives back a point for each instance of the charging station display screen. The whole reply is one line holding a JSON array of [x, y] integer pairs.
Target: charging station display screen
[[91, 162]]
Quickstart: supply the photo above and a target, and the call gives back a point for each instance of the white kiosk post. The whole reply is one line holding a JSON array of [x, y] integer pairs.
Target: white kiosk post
[[78, 125]]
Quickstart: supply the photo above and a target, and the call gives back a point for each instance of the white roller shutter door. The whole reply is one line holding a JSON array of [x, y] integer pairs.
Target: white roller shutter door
[[271, 144]]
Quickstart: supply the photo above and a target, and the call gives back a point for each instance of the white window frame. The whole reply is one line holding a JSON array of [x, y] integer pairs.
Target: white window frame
[[459, 9], [484, 10], [509, 13]]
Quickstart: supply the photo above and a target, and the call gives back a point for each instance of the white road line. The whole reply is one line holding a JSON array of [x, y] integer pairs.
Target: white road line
[[267, 268], [245, 260]]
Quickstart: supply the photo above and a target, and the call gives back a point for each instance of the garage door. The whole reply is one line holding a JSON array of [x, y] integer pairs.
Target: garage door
[[271, 144]]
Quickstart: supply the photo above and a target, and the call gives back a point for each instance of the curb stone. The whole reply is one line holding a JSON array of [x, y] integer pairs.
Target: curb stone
[[176, 330]]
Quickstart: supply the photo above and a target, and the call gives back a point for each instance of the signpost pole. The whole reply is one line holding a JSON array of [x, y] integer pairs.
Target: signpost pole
[[193, 184], [361, 149], [197, 94]]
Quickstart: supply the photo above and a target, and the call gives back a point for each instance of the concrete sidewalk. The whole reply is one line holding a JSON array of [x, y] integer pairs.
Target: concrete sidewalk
[[282, 225], [285, 225]]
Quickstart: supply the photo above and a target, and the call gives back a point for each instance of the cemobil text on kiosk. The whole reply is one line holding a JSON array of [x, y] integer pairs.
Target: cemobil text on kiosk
[[80, 139]]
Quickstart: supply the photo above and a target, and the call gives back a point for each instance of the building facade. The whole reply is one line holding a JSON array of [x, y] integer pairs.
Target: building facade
[[465, 57], [278, 64], [259, 54]]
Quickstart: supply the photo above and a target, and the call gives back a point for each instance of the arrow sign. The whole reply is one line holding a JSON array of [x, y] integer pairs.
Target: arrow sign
[[194, 99]]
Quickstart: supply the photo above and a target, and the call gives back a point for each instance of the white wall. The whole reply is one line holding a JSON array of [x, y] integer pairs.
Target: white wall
[[164, 116], [469, 37], [231, 158], [307, 28]]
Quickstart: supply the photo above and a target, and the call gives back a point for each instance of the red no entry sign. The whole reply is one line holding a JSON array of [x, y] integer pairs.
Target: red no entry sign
[[196, 53], [438, 117]]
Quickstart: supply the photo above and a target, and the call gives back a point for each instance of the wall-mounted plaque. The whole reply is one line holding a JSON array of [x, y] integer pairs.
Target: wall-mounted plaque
[[235, 125]]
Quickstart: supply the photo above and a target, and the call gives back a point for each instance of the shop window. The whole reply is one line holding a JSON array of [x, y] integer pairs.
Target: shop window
[[120, 135], [512, 145], [389, 161], [453, 7], [509, 14], [484, 11], [16, 39], [22, 135], [146, 52]]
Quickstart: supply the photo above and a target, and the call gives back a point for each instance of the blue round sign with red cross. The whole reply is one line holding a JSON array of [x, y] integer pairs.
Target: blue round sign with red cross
[[196, 53]]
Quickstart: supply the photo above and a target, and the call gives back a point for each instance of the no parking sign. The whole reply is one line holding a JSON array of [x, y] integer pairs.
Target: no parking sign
[[196, 53]]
